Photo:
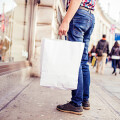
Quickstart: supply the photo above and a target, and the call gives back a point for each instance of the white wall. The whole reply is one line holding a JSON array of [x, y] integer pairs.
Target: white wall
[[102, 26]]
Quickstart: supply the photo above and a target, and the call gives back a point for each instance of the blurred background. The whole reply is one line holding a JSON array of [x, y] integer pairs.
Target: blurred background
[[23, 23]]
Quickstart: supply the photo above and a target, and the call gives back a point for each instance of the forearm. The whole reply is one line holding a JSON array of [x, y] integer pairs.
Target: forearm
[[73, 7]]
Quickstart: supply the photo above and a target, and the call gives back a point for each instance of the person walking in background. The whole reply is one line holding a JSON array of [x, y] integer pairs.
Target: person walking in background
[[93, 52], [102, 51], [115, 55], [93, 56], [89, 56], [79, 23]]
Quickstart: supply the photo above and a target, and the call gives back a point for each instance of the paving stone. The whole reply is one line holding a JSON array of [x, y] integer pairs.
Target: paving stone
[[39, 103]]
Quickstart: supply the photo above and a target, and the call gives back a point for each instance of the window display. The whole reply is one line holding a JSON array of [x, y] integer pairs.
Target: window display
[[13, 31]]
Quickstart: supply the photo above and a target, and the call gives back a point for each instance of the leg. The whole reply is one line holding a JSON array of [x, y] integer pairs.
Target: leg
[[77, 95], [91, 58], [113, 64], [98, 64], [119, 65], [103, 62], [85, 66], [82, 92]]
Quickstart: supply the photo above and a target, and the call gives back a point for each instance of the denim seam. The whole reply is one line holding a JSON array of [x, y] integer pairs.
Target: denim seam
[[87, 27]]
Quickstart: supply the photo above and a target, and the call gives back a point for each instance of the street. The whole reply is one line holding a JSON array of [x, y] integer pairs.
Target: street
[[33, 102]]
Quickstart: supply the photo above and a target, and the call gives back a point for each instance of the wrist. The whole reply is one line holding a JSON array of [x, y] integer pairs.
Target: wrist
[[66, 20]]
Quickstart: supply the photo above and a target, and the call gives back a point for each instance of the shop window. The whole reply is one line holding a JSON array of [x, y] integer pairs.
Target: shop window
[[13, 31]]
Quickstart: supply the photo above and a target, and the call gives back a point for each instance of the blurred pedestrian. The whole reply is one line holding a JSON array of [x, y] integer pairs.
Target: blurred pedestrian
[[102, 51], [93, 56], [89, 56], [80, 21], [115, 55], [93, 52]]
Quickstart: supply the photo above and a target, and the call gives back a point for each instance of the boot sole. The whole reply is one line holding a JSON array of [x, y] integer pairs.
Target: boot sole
[[77, 113], [86, 108]]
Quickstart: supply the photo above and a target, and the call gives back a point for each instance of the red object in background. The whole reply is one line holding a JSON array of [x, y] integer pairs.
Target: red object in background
[[3, 23], [6, 20], [0, 17], [112, 30]]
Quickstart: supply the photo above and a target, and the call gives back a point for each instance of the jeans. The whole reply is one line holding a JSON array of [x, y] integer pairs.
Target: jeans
[[115, 63], [80, 30], [101, 63]]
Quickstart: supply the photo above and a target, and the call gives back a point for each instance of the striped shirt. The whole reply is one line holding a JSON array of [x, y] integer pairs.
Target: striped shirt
[[90, 4]]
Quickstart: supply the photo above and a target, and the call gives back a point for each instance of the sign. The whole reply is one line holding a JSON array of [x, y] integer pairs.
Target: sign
[[117, 36], [112, 29]]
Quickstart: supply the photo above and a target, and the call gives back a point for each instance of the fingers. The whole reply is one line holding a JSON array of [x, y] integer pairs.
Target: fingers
[[62, 32], [65, 32], [63, 29]]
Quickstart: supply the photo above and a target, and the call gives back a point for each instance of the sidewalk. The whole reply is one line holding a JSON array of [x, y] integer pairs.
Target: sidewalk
[[39, 103]]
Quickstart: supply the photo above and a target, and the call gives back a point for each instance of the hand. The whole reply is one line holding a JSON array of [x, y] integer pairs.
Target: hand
[[63, 29]]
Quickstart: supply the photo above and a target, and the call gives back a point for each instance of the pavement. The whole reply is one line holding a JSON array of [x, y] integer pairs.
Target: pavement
[[33, 102]]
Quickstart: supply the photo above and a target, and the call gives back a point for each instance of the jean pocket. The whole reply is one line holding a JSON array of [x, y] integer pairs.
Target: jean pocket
[[80, 23]]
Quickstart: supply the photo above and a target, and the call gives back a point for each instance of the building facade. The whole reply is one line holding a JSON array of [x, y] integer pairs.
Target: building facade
[[32, 20], [103, 25]]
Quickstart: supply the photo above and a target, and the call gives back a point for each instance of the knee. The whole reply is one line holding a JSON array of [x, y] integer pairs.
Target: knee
[[84, 65]]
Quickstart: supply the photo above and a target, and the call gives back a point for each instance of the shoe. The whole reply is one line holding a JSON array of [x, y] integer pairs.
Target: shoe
[[86, 105], [115, 74], [70, 108]]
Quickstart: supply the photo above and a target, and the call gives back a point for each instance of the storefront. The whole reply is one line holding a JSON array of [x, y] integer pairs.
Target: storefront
[[22, 25], [14, 35]]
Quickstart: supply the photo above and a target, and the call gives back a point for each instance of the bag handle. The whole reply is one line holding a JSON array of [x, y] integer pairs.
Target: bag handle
[[60, 37], [66, 37]]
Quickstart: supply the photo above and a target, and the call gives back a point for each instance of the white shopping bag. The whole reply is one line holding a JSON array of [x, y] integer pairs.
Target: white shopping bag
[[60, 62]]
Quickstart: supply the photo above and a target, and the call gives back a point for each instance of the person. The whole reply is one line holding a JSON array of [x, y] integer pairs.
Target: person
[[115, 55], [102, 51], [93, 52], [89, 56], [79, 23], [93, 56]]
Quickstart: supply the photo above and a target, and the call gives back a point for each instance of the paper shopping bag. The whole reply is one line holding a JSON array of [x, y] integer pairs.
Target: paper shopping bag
[[60, 62]]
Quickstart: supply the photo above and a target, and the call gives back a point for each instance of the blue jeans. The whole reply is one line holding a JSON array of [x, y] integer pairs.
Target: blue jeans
[[115, 63], [80, 30]]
